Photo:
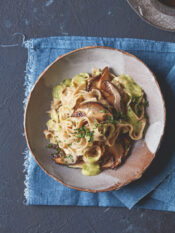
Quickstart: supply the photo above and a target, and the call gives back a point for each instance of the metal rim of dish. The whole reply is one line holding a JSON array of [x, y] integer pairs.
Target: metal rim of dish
[[155, 13]]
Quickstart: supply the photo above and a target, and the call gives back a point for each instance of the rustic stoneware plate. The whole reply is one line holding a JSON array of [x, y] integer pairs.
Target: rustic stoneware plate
[[83, 60]]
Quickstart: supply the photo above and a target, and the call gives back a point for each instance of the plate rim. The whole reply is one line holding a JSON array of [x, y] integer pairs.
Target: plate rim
[[118, 185]]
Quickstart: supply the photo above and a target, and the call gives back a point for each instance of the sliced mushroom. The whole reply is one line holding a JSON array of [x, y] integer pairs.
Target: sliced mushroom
[[108, 163], [115, 154], [105, 74], [95, 82], [60, 160], [111, 93], [93, 110], [126, 142], [77, 164], [78, 114], [63, 159], [118, 151]]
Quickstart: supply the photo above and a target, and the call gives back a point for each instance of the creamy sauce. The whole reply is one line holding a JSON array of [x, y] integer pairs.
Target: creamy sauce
[[130, 86], [90, 169]]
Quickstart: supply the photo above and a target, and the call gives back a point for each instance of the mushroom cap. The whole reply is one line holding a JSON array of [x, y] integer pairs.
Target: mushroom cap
[[93, 110]]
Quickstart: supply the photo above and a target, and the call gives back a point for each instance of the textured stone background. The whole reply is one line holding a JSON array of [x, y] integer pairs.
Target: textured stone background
[[38, 18]]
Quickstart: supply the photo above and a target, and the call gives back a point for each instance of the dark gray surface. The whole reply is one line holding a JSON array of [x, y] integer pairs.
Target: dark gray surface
[[51, 18]]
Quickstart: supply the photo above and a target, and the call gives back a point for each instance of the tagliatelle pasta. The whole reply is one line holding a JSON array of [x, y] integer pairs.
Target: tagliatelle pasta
[[94, 119]]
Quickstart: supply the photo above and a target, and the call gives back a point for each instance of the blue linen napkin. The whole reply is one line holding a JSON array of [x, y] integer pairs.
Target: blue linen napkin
[[160, 57]]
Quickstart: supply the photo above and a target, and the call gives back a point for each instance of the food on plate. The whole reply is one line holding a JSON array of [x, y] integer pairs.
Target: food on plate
[[94, 120]]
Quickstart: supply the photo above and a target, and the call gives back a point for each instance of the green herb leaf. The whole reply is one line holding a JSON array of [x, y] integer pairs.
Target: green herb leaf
[[90, 134], [84, 132], [103, 110], [95, 124], [118, 115], [110, 119], [70, 157], [135, 99], [58, 150], [145, 103], [50, 146]]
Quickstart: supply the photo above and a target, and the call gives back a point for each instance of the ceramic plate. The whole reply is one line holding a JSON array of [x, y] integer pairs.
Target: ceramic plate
[[156, 13], [83, 60]]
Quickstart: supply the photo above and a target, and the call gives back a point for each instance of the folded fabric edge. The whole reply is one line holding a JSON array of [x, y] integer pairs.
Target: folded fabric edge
[[66, 42], [80, 205], [130, 206], [154, 204]]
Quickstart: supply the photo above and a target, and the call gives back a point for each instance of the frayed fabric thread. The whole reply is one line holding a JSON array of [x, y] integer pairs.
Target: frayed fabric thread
[[26, 181], [28, 85]]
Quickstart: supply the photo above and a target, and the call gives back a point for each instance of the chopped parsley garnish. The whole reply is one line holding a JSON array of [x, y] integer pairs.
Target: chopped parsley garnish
[[95, 124], [68, 157], [50, 146], [118, 115], [70, 144], [145, 103], [71, 158], [103, 110], [83, 132], [135, 99], [58, 150], [90, 135], [80, 132], [110, 119]]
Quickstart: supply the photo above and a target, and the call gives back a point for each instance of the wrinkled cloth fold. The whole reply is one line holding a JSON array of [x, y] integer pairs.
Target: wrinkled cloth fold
[[158, 181]]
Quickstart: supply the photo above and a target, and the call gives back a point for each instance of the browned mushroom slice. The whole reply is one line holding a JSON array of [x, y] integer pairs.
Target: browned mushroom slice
[[92, 83], [60, 160], [111, 93], [127, 151], [78, 114], [108, 163], [126, 142], [95, 82], [105, 74], [109, 90], [118, 151], [92, 110], [77, 164], [115, 154], [64, 160]]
